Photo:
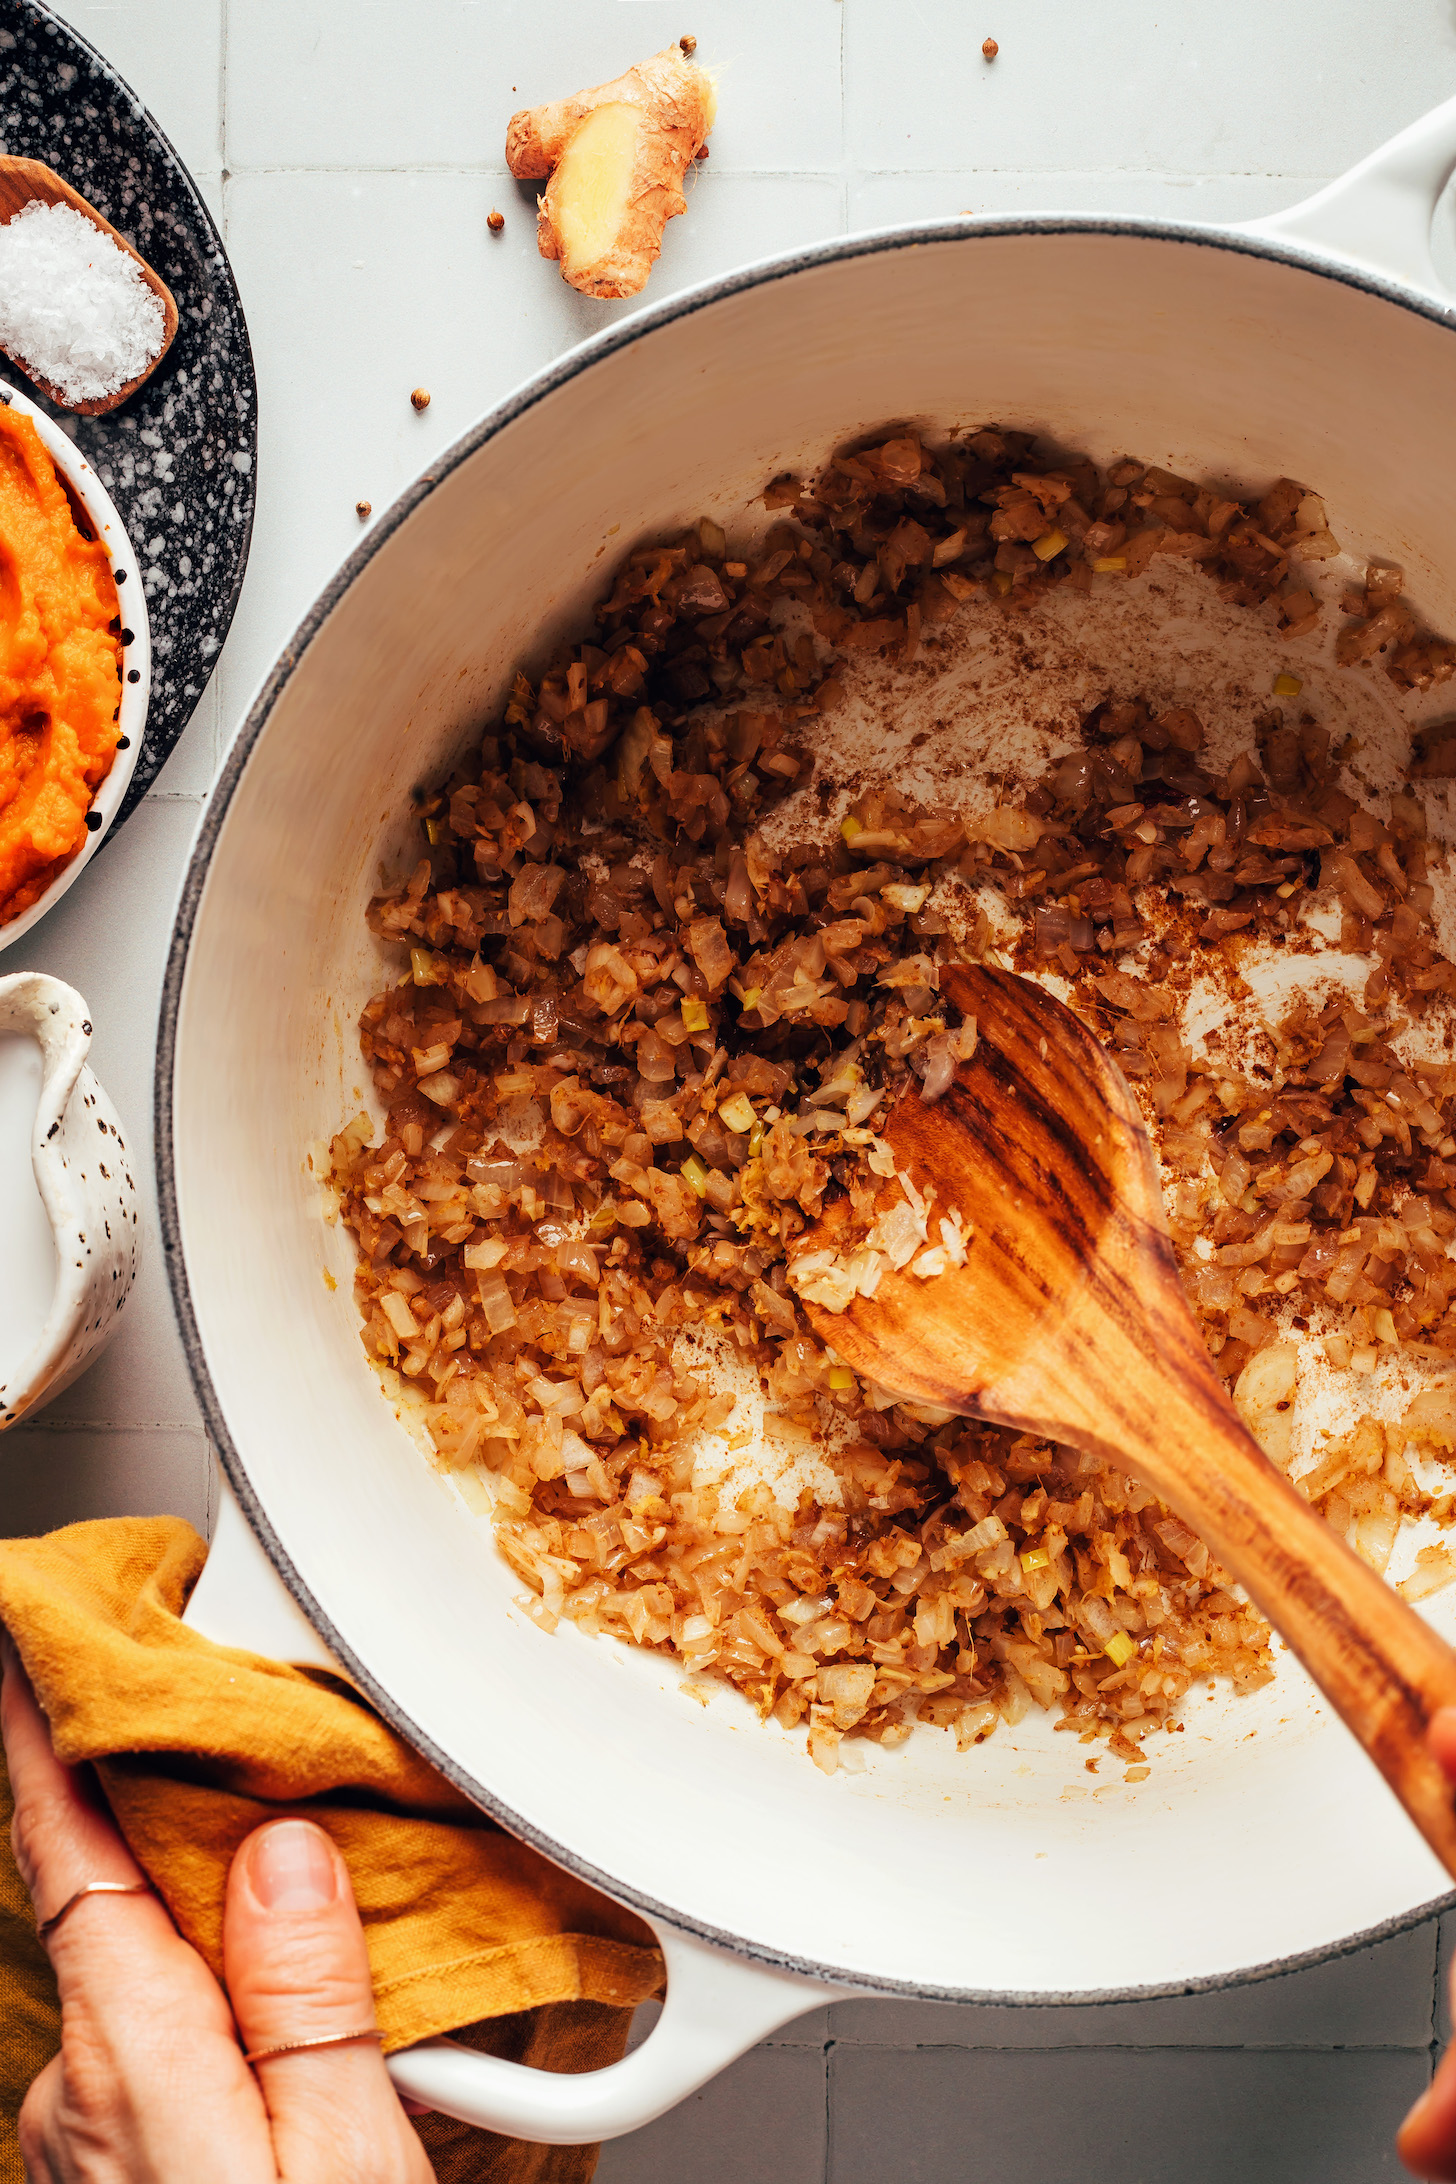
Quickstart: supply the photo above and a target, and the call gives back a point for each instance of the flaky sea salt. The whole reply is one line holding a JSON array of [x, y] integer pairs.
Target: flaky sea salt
[[74, 309]]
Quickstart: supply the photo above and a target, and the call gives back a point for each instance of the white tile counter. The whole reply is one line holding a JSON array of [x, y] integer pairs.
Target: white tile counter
[[352, 149]]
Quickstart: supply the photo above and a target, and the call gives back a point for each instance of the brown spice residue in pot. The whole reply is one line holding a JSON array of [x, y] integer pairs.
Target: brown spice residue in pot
[[656, 1000]]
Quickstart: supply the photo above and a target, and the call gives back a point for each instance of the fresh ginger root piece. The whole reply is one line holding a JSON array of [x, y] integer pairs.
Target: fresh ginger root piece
[[616, 157]]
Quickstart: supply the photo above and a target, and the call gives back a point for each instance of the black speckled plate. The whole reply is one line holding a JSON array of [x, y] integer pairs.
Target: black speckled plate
[[180, 458]]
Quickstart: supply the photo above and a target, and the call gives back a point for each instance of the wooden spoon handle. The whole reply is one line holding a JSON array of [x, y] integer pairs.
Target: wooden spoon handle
[[1068, 1320], [1382, 1668]]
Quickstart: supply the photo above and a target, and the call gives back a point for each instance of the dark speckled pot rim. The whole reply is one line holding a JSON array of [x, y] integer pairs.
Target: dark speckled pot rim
[[641, 326]]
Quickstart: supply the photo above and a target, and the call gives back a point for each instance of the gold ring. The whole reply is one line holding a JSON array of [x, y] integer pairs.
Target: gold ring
[[92, 1888], [326, 2040]]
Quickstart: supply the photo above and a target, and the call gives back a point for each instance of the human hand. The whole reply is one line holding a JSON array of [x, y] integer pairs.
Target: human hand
[[1426, 2141], [150, 2086]]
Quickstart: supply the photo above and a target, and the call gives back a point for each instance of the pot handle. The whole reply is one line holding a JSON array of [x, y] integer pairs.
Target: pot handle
[[717, 2004], [1379, 214], [717, 2007], [241, 1601]]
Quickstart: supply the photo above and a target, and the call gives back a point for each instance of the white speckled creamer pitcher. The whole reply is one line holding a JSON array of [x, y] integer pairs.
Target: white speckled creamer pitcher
[[1310, 345], [70, 1230]]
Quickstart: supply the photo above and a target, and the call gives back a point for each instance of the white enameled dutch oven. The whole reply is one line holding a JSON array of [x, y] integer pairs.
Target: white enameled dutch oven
[[1311, 345]]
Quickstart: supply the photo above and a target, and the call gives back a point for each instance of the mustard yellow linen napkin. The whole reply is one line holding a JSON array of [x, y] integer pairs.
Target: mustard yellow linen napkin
[[196, 1744]]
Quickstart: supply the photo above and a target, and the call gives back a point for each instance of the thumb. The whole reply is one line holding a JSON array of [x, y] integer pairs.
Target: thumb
[[1427, 2140], [297, 1971]]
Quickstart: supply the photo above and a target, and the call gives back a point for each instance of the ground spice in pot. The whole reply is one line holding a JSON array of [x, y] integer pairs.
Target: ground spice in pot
[[664, 971]]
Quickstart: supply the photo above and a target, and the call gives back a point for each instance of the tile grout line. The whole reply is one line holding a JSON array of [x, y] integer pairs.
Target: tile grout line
[[442, 170], [1179, 177], [1176, 175], [222, 86], [843, 140], [213, 682], [111, 1425], [1433, 2051], [1129, 2047]]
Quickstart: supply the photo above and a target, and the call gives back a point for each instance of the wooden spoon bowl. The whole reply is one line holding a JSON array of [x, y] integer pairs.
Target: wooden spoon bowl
[[1069, 1320], [22, 181]]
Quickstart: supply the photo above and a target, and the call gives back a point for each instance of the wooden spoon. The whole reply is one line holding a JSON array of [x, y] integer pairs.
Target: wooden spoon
[[1069, 1320], [21, 182]]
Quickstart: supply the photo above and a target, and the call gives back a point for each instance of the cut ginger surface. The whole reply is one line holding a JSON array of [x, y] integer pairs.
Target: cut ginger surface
[[615, 158]]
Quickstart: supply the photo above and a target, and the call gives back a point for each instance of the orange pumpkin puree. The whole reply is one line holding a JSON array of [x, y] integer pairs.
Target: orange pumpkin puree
[[60, 669]]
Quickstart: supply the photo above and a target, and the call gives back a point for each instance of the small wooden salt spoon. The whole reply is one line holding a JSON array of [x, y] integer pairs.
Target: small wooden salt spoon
[[21, 182], [1069, 1320]]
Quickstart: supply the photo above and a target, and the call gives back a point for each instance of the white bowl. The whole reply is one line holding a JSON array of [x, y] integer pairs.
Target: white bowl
[[87, 489], [83, 1235]]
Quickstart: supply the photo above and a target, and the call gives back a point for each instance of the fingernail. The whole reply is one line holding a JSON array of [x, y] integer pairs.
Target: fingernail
[[291, 1867]]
